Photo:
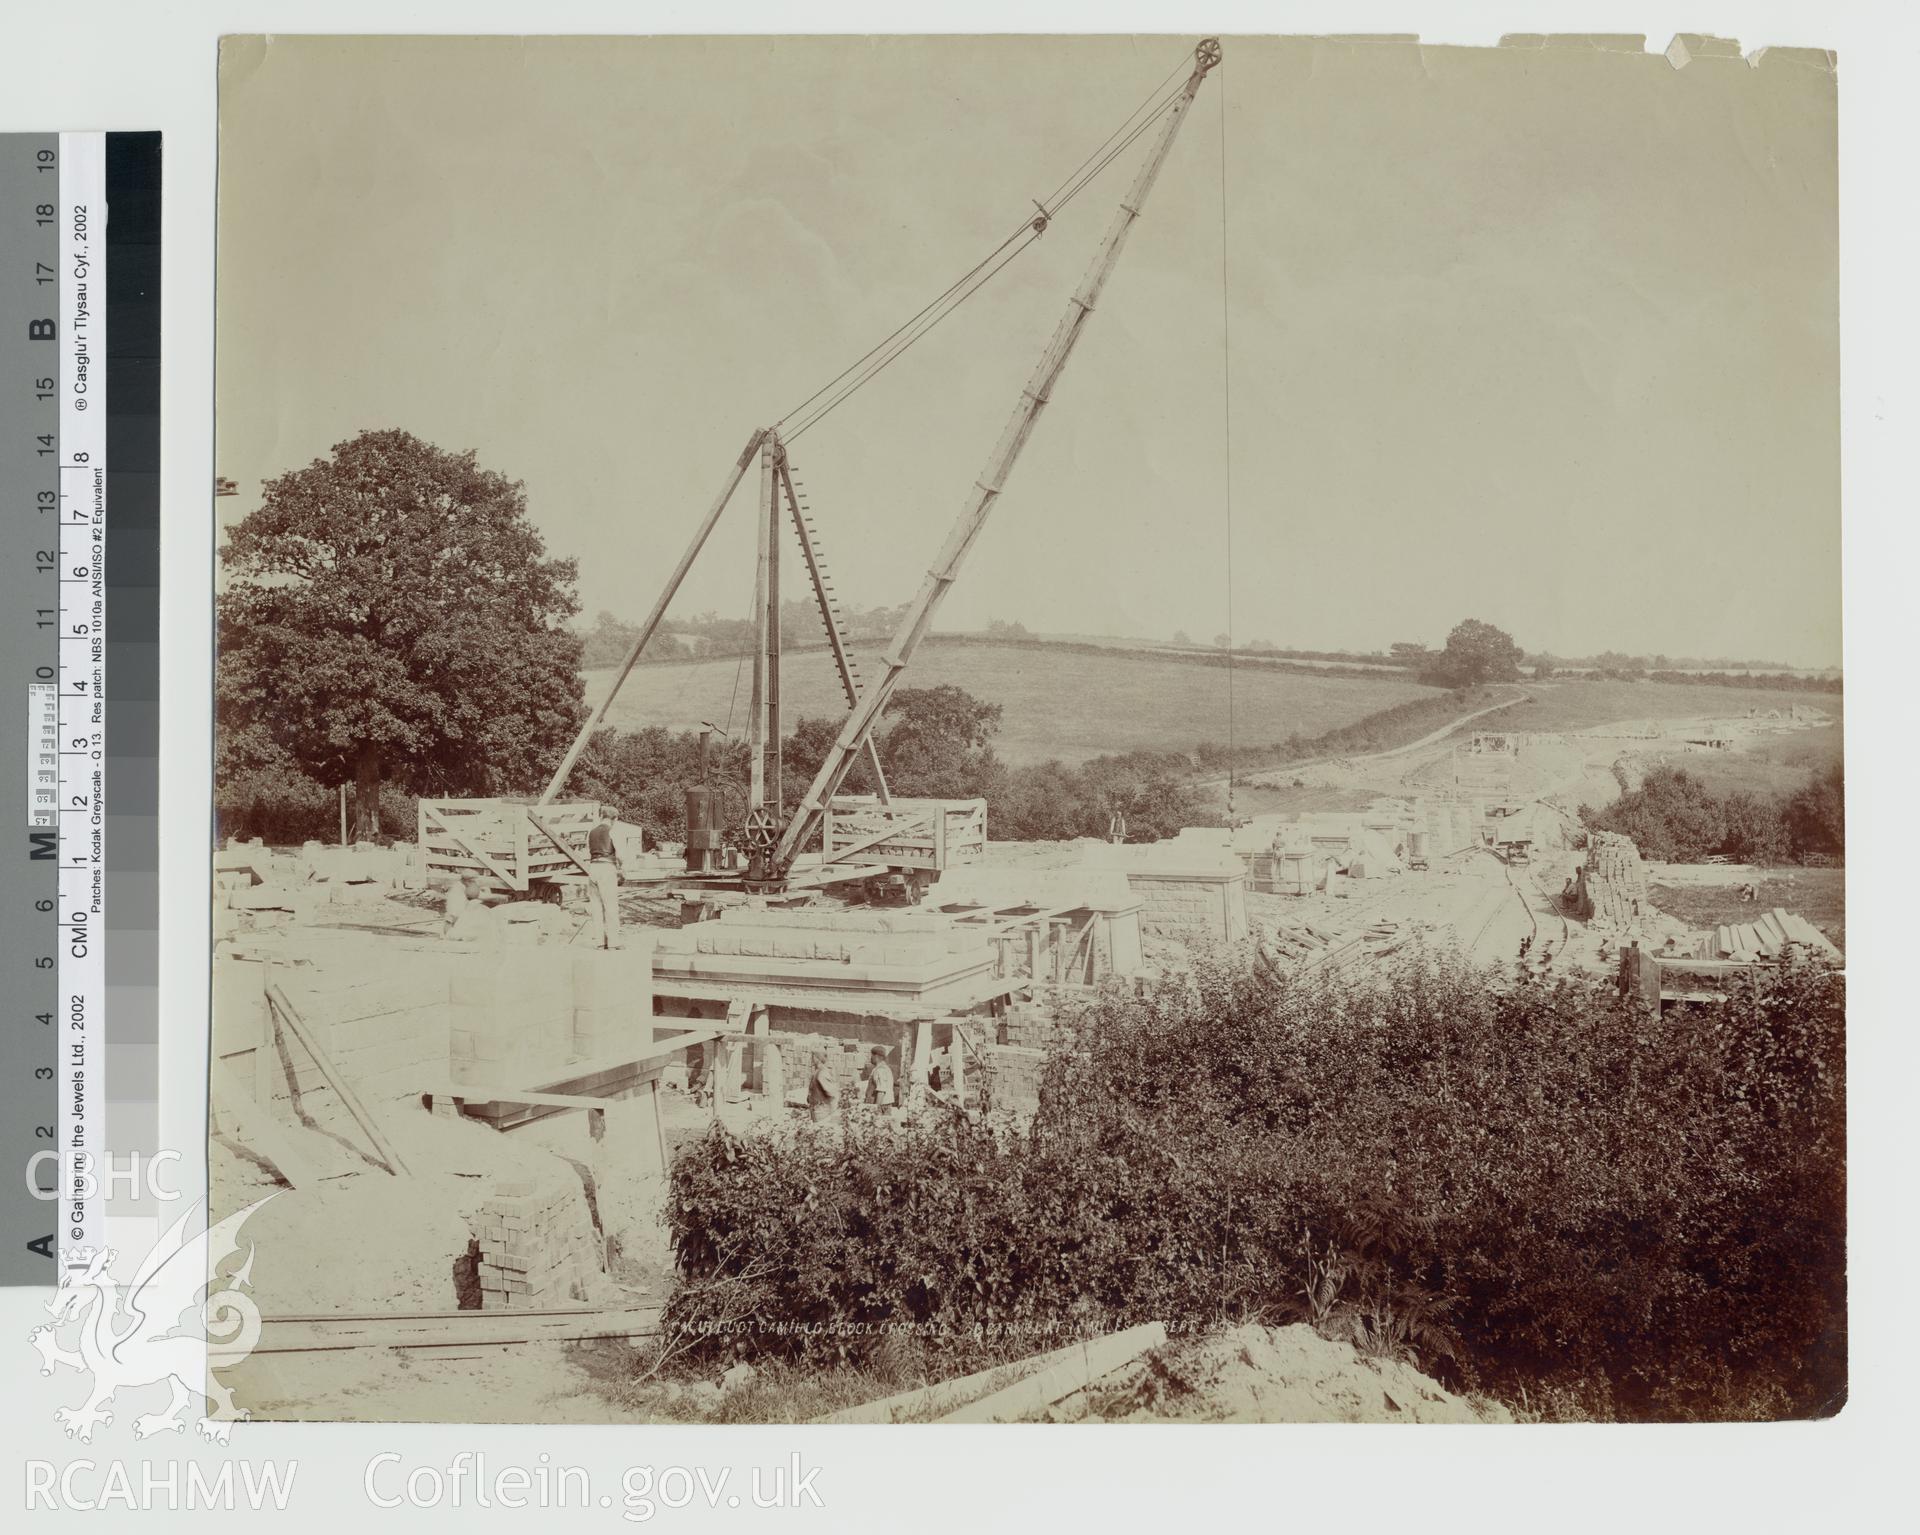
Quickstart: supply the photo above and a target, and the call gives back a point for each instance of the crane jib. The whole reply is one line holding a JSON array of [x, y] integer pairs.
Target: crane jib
[[858, 728]]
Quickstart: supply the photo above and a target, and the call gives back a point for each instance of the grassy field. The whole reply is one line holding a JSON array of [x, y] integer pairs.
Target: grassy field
[[1771, 765], [1069, 704], [1819, 895], [1581, 705]]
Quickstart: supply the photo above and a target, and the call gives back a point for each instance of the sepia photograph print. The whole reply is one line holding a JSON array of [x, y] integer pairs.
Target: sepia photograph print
[[1029, 729]]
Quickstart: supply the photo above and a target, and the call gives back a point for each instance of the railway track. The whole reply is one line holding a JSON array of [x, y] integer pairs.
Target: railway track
[[1551, 933], [451, 1333]]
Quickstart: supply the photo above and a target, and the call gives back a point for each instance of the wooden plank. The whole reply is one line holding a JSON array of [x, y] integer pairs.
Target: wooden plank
[[490, 1092], [453, 1329], [910, 827], [548, 832], [1068, 1375], [947, 1395], [447, 830], [814, 875], [659, 1127], [266, 1056], [290, 1019]]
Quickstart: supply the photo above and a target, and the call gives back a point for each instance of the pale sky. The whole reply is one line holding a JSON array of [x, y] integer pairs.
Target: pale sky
[[1544, 337]]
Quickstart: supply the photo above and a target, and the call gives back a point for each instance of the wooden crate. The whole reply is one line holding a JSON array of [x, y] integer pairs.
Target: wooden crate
[[496, 842], [907, 834]]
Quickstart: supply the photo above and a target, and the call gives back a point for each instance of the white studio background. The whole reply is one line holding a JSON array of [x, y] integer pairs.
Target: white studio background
[[120, 64]]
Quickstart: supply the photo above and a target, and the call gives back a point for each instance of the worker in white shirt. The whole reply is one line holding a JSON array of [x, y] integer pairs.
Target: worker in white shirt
[[603, 868]]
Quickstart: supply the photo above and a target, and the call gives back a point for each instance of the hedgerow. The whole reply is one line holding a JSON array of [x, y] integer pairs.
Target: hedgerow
[[1543, 1188]]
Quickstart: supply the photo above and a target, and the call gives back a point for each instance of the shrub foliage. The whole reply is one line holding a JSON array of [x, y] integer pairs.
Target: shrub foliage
[[1544, 1186], [1676, 818]]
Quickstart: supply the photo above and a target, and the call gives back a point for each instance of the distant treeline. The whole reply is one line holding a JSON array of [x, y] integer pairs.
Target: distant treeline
[[934, 743], [1239, 660], [1619, 661], [609, 640], [708, 635], [1765, 682]]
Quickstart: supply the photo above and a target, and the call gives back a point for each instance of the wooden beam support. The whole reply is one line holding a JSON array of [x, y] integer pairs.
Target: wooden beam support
[[254, 1124], [770, 513], [489, 1092], [598, 717], [295, 1025]]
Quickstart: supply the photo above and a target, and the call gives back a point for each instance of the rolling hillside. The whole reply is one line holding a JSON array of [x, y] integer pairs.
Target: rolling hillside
[[1066, 703]]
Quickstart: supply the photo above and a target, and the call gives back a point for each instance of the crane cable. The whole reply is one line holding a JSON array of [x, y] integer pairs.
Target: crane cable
[[1226, 374], [864, 369], [888, 352]]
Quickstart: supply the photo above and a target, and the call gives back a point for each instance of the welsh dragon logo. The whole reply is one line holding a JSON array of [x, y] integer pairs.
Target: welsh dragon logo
[[152, 1347]]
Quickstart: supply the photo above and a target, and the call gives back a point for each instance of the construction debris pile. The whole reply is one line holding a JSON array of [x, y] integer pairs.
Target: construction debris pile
[[1254, 1374], [1299, 945]]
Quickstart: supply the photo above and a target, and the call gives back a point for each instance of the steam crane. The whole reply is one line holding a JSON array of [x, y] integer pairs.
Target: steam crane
[[773, 850]]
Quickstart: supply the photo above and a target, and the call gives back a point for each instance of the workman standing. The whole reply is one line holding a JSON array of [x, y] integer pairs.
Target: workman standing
[[880, 1078], [603, 868]]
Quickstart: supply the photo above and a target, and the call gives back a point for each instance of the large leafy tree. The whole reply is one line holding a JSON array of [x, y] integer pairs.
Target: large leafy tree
[[938, 743], [390, 612], [1477, 652], [1816, 816]]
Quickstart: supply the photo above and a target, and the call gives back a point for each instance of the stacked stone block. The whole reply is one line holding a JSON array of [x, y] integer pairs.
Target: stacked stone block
[[512, 1017], [613, 1001], [537, 1248], [1613, 882], [1192, 907], [1011, 1076]]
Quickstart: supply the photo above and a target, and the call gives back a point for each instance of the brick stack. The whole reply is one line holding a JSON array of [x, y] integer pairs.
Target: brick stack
[[1028, 1025], [1613, 882], [536, 1248]]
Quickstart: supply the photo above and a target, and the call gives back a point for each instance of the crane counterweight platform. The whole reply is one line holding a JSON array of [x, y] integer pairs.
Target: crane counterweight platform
[[773, 848]]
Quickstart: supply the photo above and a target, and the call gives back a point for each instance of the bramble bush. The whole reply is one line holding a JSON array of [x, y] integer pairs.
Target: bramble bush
[[1543, 1186]]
